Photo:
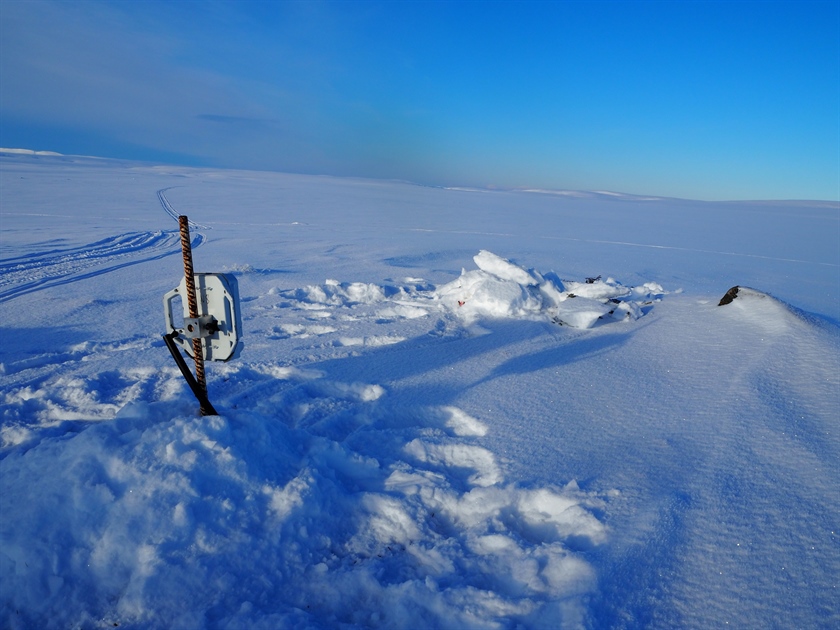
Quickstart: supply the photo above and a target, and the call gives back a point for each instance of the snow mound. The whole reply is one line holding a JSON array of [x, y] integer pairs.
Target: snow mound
[[759, 309], [498, 289], [504, 269], [335, 293], [502, 289]]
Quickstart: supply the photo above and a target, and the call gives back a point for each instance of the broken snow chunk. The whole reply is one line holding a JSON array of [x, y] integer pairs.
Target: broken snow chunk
[[551, 294], [501, 289], [504, 269], [335, 293], [627, 310], [597, 289], [403, 311], [464, 424], [479, 293], [580, 312], [650, 290], [456, 455]]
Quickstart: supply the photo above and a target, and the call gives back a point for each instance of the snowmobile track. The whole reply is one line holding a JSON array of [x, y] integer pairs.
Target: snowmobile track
[[167, 207], [55, 267]]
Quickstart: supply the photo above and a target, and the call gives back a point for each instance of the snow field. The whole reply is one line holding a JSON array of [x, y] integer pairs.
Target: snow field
[[403, 445], [275, 518]]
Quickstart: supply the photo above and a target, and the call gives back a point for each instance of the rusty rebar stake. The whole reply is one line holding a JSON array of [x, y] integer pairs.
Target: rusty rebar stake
[[192, 304]]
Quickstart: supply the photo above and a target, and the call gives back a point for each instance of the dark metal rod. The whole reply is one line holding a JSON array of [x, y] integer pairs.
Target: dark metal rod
[[200, 393], [192, 304]]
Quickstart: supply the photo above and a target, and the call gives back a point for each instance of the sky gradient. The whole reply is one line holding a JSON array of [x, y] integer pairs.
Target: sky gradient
[[704, 100]]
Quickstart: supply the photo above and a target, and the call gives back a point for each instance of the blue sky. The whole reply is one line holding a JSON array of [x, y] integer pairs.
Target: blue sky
[[705, 100]]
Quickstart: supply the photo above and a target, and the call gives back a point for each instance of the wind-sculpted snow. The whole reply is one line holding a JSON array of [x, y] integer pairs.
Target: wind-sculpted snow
[[443, 417], [320, 496], [289, 518], [498, 289]]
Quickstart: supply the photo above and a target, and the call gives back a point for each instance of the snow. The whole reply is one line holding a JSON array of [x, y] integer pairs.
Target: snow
[[452, 410]]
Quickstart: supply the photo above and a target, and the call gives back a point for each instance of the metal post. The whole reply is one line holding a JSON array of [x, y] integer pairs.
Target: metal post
[[192, 303]]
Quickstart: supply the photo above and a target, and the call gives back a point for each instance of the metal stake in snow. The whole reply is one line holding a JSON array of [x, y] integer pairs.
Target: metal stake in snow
[[211, 324], [192, 304]]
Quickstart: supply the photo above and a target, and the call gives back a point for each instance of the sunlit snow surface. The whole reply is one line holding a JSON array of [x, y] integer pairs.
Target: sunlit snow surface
[[453, 409]]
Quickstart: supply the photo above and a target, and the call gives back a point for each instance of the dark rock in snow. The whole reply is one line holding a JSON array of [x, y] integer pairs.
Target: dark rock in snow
[[730, 295]]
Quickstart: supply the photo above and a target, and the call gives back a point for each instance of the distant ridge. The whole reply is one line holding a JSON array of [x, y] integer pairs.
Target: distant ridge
[[29, 152], [588, 194], [566, 193]]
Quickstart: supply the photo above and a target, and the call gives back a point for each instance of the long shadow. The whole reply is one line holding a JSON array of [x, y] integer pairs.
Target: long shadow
[[432, 354], [631, 592], [428, 352], [433, 351], [21, 348], [565, 353]]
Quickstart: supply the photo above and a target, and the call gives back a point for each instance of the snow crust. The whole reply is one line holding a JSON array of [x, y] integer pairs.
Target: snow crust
[[519, 444]]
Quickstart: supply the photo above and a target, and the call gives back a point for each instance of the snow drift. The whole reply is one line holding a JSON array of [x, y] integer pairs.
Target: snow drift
[[403, 445]]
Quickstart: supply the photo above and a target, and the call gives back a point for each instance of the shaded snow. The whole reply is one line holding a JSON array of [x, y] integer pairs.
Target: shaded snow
[[442, 416]]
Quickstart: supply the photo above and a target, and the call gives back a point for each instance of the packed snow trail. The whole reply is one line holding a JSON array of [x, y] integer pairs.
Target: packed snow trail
[[57, 267], [168, 209], [60, 266]]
